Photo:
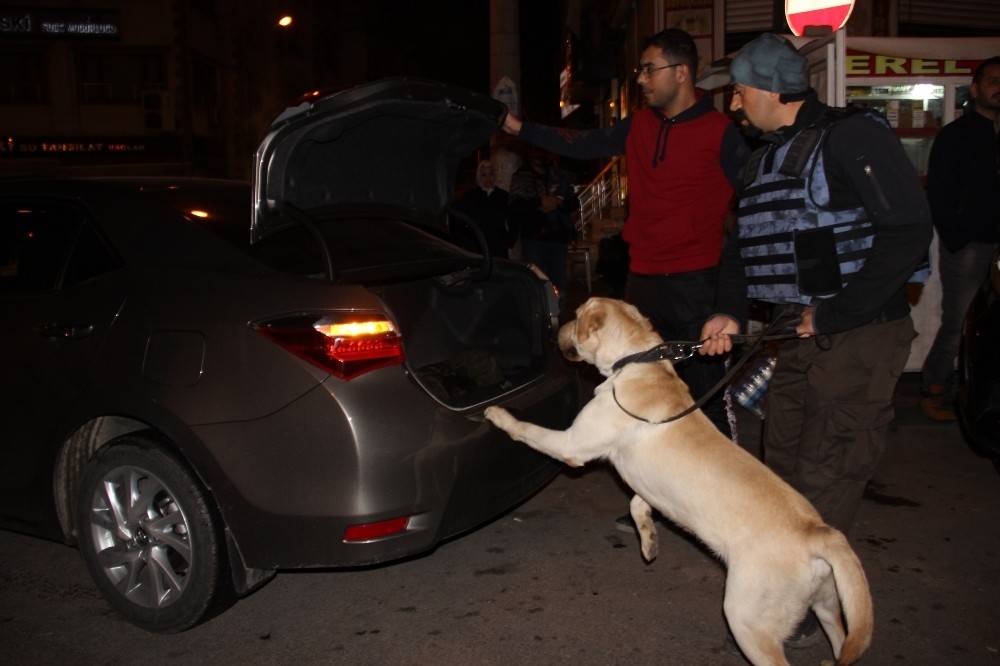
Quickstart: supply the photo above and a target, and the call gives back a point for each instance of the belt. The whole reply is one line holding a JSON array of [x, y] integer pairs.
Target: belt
[[889, 313]]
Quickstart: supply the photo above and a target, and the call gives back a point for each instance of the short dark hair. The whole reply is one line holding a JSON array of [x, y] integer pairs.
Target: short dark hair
[[980, 72], [676, 45]]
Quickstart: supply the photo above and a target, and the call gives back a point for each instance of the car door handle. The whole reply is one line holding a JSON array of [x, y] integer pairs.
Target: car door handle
[[58, 331]]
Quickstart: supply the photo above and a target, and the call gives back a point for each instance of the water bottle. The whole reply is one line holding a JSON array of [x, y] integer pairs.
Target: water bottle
[[752, 389]]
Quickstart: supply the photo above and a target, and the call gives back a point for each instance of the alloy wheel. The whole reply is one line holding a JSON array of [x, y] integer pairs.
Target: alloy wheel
[[141, 537]]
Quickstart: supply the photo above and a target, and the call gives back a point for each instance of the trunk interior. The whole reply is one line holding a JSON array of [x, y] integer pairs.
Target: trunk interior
[[470, 342], [467, 340]]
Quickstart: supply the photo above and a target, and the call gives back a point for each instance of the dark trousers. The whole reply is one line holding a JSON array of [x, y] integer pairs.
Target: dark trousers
[[961, 274], [677, 305], [828, 408]]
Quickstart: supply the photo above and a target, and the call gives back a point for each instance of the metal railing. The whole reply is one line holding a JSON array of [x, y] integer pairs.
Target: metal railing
[[600, 195]]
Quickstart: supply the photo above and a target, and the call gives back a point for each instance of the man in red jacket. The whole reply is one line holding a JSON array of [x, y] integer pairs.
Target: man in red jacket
[[684, 159]]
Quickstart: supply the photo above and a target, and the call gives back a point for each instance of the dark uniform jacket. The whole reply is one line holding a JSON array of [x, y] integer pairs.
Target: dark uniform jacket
[[963, 181]]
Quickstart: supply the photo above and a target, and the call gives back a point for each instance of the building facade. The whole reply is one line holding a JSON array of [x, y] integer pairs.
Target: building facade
[[163, 87]]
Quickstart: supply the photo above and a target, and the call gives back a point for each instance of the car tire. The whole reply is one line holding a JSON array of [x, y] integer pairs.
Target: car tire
[[150, 538]]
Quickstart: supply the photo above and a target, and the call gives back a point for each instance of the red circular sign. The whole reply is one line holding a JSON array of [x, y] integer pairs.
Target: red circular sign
[[803, 13]]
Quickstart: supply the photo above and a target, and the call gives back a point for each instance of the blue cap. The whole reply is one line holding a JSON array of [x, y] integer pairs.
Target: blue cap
[[770, 62]]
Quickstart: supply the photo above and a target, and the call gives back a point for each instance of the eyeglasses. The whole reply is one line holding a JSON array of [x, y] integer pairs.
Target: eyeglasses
[[648, 68]]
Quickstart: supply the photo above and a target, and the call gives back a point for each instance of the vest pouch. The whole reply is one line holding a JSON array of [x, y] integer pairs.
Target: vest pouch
[[816, 264]]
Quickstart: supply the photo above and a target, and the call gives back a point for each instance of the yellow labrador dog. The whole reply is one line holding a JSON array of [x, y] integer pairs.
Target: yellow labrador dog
[[782, 559]]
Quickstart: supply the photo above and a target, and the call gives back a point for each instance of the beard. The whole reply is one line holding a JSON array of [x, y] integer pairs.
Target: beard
[[661, 100], [987, 102]]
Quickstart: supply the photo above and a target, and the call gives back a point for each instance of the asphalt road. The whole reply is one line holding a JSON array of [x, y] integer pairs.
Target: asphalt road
[[554, 582]]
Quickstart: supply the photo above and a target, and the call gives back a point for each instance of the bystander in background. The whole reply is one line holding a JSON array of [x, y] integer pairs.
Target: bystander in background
[[963, 186]]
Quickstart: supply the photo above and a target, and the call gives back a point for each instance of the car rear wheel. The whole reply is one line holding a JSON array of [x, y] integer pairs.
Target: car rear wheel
[[150, 538]]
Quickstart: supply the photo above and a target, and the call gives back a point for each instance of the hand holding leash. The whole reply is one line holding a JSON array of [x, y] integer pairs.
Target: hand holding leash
[[720, 332], [715, 335], [806, 329]]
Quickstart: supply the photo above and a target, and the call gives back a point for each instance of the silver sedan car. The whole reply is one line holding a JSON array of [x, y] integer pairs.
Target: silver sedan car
[[208, 381]]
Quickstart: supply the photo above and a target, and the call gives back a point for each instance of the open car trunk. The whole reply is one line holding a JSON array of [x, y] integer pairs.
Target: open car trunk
[[468, 336], [471, 342], [354, 188]]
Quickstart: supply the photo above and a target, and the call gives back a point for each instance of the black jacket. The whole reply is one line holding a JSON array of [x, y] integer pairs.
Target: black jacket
[[491, 211], [963, 181], [527, 188], [865, 165]]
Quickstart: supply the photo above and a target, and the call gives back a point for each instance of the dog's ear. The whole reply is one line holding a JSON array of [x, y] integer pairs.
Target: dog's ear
[[590, 321]]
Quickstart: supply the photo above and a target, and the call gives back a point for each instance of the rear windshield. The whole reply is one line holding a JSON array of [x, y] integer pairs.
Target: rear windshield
[[363, 248]]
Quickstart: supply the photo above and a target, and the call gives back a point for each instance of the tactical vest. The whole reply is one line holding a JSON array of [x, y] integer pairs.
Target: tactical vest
[[794, 247]]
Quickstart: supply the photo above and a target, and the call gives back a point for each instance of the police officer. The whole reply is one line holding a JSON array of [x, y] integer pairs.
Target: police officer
[[832, 223]]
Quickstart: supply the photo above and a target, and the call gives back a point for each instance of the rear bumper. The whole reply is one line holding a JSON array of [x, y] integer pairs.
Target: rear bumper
[[292, 482]]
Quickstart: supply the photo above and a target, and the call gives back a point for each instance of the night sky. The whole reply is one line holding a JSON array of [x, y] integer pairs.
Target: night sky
[[446, 40], [449, 40]]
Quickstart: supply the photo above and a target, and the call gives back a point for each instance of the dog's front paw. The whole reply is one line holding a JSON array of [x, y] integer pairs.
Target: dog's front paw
[[499, 417]]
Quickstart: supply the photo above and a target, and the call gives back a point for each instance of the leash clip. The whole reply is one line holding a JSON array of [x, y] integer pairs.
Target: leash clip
[[682, 351]]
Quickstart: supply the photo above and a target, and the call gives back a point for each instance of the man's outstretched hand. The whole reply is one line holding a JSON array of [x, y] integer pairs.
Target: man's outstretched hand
[[512, 124]]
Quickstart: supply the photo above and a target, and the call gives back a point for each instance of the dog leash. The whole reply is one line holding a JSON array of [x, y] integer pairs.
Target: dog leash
[[676, 351], [680, 350]]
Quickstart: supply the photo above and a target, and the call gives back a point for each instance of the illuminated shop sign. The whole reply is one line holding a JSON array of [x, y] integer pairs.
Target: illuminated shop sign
[[869, 64], [59, 147], [566, 105], [13, 147], [57, 23]]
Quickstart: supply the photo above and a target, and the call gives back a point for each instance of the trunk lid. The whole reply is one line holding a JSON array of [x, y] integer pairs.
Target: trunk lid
[[394, 143]]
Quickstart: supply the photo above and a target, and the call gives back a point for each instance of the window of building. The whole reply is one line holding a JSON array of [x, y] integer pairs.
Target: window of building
[[206, 88], [952, 18], [24, 78], [209, 8], [119, 78]]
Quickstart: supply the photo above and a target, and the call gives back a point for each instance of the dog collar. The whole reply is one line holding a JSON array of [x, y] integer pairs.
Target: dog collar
[[666, 351]]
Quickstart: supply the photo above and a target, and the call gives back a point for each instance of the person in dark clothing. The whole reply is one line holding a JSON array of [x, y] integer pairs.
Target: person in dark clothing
[[831, 224], [963, 186], [488, 205], [542, 203], [683, 159]]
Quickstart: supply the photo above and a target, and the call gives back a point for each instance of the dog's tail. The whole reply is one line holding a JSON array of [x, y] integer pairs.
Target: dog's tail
[[852, 587]]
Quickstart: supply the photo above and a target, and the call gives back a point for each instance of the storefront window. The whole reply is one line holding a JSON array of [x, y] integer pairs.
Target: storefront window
[[910, 106], [915, 110], [961, 99], [118, 78]]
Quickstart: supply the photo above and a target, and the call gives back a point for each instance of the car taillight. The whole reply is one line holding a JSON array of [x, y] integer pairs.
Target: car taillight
[[345, 344], [370, 531]]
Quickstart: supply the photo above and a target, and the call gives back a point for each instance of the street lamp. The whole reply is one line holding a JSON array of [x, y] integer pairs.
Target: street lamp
[[285, 21]]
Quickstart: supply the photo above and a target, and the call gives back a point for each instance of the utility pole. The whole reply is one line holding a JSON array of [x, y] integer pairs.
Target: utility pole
[[505, 78], [505, 42]]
